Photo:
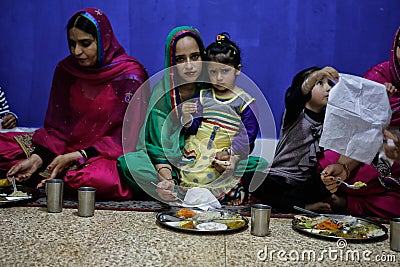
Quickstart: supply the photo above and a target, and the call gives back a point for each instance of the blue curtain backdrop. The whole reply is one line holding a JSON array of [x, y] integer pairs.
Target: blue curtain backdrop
[[277, 37]]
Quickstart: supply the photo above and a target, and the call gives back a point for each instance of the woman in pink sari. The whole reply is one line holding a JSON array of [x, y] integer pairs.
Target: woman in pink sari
[[82, 134], [381, 196]]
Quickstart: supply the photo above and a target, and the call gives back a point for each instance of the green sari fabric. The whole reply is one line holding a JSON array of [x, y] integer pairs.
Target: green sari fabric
[[160, 140]]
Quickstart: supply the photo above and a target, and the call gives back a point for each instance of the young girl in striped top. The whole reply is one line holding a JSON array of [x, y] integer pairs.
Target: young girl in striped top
[[220, 122]]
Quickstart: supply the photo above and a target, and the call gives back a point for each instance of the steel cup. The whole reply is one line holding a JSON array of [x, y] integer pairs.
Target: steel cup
[[54, 195], [260, 216], [395, 234], [86, 200]]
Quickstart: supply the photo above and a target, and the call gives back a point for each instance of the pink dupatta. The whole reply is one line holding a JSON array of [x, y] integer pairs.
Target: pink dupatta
[[87, 105], [389, 72]]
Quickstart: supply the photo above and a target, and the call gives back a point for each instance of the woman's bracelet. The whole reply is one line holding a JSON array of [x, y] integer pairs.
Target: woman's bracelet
[[83, 153], [164, 167], [346, 168], [168, 179]]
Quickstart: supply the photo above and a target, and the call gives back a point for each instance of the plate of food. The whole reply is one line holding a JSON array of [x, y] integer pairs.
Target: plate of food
[[334, 227], [192, 220], [23, 194]]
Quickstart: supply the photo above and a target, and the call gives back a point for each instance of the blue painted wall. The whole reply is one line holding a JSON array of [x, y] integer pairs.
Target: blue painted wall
[[277, 37]]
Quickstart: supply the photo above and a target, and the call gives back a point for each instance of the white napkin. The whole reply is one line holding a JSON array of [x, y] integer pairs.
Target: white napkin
[[358, 109], [201, 198]]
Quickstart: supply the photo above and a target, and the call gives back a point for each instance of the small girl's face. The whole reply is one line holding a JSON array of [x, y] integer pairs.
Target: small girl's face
[[222, 76], [188, 60], [319, 95], [83, 47]]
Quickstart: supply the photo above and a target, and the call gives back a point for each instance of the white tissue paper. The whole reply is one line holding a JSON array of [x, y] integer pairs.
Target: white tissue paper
[[357, 111], [201, 198]]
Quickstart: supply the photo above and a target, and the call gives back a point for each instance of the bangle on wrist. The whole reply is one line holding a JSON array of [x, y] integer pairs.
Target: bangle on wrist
[[83, 153], [168, 179], [164, 167], [346, 169]]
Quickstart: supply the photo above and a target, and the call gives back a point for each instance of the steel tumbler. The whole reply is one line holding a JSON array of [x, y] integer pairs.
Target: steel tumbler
[[395, 234], [86, 200], [54, 195], [260, 215]]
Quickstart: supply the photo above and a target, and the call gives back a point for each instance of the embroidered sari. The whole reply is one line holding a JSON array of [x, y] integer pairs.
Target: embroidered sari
[[86, 109]]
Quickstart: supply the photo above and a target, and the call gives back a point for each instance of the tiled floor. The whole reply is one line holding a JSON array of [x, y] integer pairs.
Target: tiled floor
[[32, 237]]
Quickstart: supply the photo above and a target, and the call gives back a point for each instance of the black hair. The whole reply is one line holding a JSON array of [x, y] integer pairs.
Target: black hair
[[82, 23], [224, 51], [196, 37]]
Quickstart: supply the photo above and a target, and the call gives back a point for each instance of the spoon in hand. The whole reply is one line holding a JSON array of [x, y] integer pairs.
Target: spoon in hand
[[14, 184], [176, 197], [356, 185]]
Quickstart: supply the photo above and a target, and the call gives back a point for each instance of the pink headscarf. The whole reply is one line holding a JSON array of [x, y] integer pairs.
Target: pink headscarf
[[87, 104], [389, 72], [394, 64]]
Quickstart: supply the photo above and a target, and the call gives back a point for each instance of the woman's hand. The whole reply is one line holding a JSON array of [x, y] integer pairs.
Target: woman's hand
[[390, 89], [165, 190], [333, 170], [24, 169], [164, 172], [391, 148], [59, 164], [342, 169], [9, 121]]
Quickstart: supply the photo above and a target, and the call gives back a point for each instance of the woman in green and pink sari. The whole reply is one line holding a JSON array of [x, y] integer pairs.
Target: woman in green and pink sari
[[161, 142]]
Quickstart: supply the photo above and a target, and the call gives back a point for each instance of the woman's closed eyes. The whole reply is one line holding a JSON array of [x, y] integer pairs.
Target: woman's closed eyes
[[83, 43]]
